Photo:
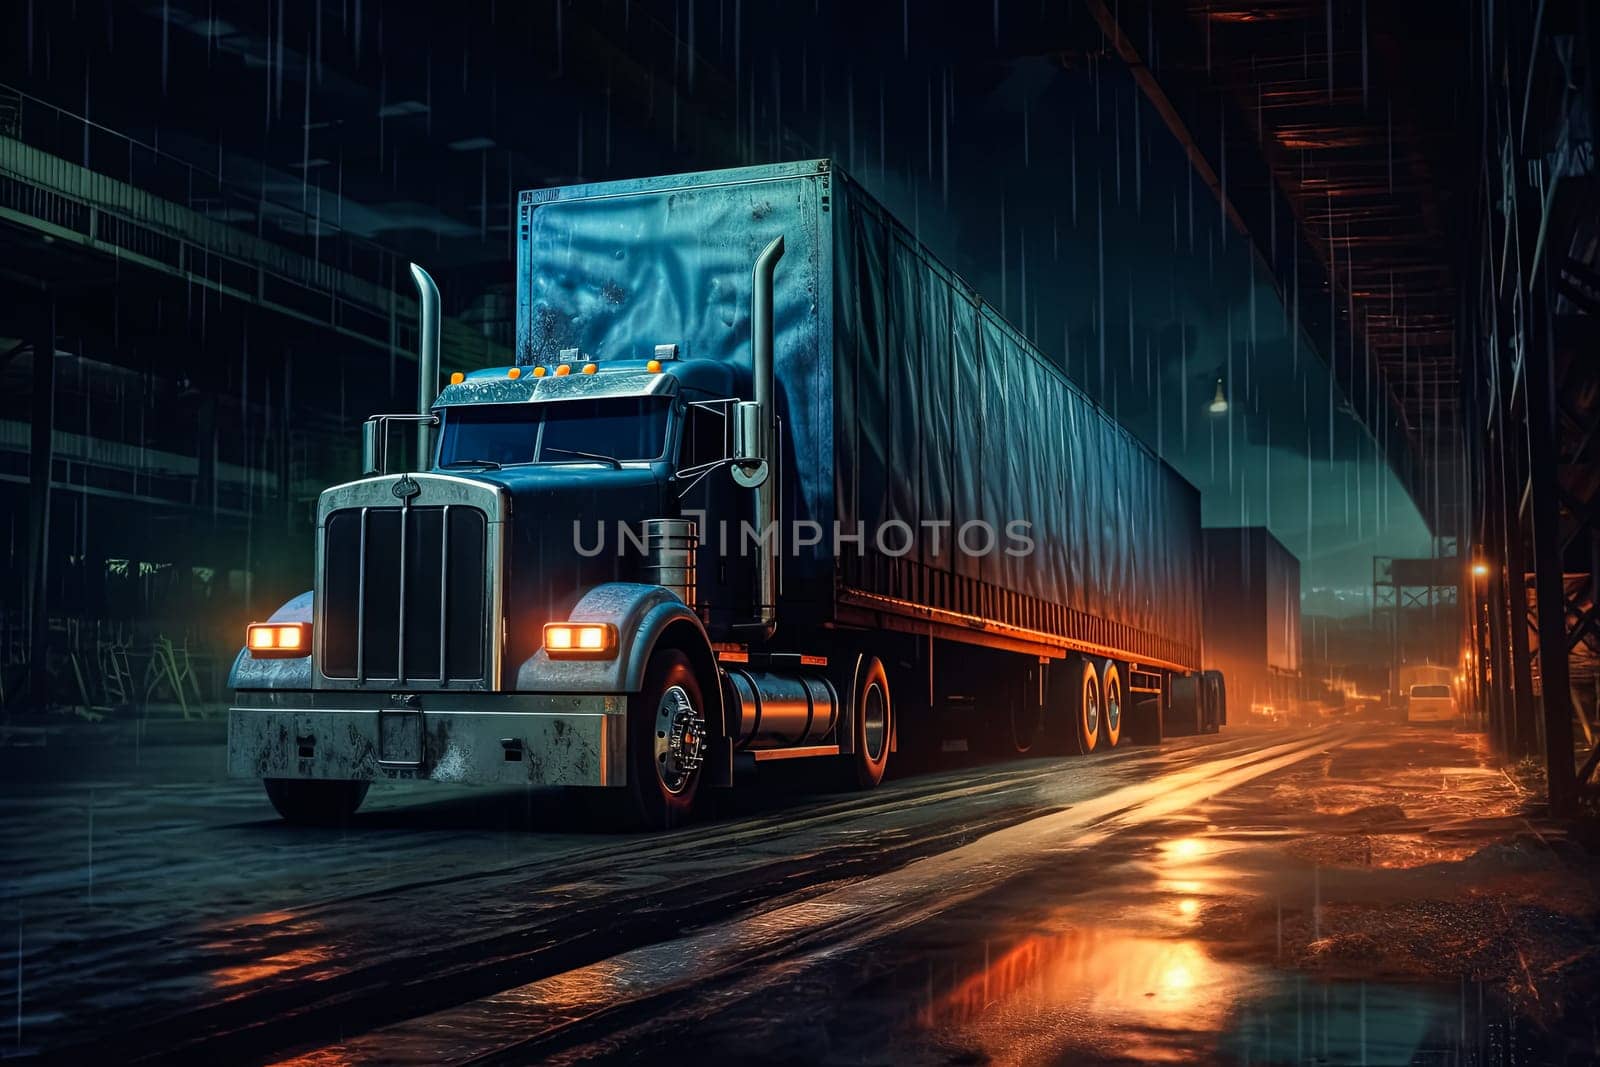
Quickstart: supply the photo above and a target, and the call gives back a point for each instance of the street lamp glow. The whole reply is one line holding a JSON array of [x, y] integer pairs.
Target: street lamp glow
[[1219, 403], [1480, 569]]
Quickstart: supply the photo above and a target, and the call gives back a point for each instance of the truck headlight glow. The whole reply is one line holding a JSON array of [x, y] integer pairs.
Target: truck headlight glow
[[580, 640], [278, 640]]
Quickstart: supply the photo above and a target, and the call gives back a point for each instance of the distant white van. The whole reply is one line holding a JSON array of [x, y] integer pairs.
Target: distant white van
[[1431, 702]]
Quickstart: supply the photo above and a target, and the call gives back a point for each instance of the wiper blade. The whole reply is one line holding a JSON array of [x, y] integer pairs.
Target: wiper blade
[[489, 463], [616, 464]]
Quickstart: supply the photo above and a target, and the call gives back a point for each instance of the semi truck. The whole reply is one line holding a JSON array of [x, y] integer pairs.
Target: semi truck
[[1252, 619], [767, 481]]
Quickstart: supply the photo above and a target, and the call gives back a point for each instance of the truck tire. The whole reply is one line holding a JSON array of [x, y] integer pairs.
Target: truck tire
[[1113, 703], [1026, 726], [312, 802], [667, 742], [873, 723], [1217, 701], [1085, 704]]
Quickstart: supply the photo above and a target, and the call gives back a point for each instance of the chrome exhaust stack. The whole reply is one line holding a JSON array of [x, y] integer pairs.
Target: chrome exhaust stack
[[427, 358], [755, 436]]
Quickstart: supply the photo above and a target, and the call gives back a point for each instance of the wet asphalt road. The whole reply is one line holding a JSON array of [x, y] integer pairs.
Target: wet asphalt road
[[1032, 911]]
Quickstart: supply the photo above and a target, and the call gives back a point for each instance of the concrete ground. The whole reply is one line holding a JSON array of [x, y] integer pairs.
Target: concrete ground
[[1363, 893]]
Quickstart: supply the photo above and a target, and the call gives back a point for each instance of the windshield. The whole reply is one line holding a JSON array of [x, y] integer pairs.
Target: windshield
[[564, 431], [1430, 690]]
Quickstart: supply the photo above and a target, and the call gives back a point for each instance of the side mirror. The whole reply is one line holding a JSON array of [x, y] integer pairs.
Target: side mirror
[[749, 449], [374, 446]]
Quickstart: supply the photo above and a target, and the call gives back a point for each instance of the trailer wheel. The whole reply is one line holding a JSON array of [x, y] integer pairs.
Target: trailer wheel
[[1086, 718], [873, 725], [1025, 715], [315, 802], [1216, 701], [667, 741], [1111, 704]]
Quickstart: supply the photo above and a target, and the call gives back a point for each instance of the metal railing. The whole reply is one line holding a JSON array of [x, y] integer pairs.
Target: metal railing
[[289, 217]]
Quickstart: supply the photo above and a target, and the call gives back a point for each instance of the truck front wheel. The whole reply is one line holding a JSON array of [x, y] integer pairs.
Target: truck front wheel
[[667, 742], [310, 802]]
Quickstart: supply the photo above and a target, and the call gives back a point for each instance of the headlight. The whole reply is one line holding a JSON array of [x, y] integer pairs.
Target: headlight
[[580, 640], [278, 640]]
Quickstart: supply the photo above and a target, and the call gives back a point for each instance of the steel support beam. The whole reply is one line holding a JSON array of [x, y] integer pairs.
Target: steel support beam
[[1522, 724], [1549, 572], [40, 462]]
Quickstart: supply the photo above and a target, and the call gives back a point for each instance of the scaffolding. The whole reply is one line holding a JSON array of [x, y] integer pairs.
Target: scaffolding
[[1530, 343]]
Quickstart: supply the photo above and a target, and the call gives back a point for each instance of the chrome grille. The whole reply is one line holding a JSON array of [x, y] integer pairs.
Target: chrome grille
[[404, 595]]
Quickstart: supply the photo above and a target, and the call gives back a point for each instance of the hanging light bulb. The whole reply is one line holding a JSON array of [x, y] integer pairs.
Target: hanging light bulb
[[1219, 403]]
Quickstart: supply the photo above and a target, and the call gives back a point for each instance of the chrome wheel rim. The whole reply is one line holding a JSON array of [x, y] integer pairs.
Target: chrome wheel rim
[[1114, 708], [874, 722], [680, 744], [1091, 710]]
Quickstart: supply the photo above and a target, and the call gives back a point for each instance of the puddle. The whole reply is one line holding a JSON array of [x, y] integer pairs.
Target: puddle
[[1054, 994], [1095, 995], [1347, 911]]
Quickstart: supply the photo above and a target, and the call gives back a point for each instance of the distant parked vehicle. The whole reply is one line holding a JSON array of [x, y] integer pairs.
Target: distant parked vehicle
[[1431, 703]]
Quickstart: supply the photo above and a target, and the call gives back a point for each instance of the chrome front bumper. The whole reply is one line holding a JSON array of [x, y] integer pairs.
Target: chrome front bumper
[[490, 738]]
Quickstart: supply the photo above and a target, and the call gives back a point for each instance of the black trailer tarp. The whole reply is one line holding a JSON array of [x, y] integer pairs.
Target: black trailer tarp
[[904, 398]]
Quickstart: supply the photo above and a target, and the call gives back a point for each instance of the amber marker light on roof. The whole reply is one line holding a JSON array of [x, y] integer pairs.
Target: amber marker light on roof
[[514, 372], [563, 370], [457, 378]]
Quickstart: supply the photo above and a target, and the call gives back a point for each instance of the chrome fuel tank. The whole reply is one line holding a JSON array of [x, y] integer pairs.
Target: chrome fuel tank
[[782, 710]]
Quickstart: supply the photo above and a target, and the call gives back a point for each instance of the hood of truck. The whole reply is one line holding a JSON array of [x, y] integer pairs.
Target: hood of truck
[[553, 535], [564, 539]]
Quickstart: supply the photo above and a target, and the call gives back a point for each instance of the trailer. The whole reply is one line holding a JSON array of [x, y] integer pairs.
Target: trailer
[[1252, 619], [767, 481]]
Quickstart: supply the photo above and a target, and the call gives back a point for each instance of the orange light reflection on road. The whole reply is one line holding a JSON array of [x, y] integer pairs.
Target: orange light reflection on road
[[1138, 986], [270, 966], [1145, 976], [268, 944], [1186, 848]]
